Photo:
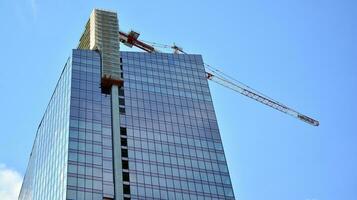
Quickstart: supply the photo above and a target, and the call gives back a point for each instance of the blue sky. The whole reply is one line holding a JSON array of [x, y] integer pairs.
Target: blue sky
[[300, 52]]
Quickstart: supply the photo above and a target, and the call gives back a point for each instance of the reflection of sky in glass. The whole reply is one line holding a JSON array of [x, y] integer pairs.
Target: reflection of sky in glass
[[174, 144]]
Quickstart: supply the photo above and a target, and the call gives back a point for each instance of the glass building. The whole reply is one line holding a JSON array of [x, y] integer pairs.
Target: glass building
[[169, 141]]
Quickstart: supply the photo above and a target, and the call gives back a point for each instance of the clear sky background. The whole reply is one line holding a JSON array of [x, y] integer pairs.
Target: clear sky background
[[300, 52]]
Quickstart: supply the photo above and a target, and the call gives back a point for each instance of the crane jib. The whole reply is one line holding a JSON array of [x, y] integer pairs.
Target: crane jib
[[248, 92], [131, 39], [308, 120]]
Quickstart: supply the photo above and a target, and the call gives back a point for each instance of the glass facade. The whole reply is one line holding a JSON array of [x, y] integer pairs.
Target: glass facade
[[174, 145], [90, 168], [46, 174], [170, 142]]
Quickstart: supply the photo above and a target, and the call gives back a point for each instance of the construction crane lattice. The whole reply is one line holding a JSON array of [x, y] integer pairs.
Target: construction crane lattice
[[215, 75]]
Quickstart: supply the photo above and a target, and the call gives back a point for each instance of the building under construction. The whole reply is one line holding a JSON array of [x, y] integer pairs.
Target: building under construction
[[132, 125]]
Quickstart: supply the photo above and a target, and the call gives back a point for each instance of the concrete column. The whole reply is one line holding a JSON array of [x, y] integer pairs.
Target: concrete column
[[117, 161]]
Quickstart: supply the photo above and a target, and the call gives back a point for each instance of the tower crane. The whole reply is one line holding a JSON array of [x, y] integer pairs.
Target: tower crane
[[131, 39]]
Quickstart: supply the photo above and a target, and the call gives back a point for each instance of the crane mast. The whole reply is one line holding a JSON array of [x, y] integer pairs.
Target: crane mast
[[131, 39]]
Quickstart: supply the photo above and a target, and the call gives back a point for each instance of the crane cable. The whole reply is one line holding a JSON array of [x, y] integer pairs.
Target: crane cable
[[155, 44], [215, 72], [244, 89], [230, 79]]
